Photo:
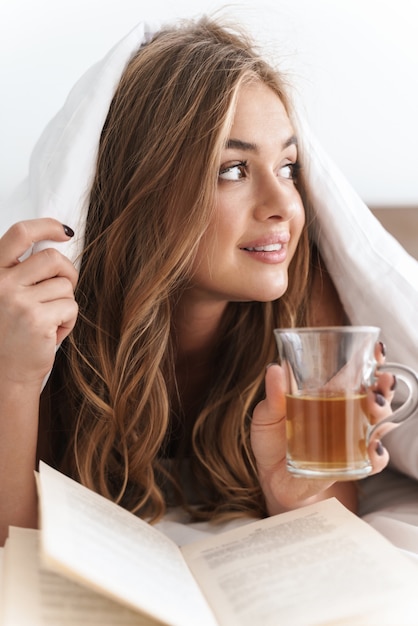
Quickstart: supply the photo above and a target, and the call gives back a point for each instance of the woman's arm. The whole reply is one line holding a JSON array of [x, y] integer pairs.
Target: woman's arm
[[37, 311], [18, 437]]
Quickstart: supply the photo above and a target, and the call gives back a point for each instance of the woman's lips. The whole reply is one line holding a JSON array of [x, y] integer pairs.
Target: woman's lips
[[270, 253], [264, 242], [272, 249]]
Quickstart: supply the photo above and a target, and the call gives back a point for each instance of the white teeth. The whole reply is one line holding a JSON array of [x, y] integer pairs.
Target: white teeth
[[273, 247]]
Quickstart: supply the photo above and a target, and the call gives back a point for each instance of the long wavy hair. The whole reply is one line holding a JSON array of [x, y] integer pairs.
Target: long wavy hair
[[109, 401]]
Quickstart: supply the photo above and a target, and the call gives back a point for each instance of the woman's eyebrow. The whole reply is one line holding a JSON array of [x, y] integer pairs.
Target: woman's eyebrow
[[239, 144], [292, 141]]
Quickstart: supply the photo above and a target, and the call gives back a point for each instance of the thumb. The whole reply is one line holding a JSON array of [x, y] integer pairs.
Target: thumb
[[273, 408], [268, 439]]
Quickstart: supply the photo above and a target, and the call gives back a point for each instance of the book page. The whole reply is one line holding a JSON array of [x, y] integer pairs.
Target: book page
[[2, 580], [317, 565], [38, 597], [99, 544]]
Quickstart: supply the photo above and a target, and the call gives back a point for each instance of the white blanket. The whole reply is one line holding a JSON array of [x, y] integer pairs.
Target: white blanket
[[376, 279]]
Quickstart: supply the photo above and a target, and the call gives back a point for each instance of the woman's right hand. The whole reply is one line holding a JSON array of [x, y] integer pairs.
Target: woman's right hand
[[37, 305]]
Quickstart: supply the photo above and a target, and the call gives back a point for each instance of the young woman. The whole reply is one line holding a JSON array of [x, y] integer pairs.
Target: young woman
[[196, 247]]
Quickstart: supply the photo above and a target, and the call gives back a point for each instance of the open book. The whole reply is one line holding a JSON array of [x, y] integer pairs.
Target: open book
[[94, 563]]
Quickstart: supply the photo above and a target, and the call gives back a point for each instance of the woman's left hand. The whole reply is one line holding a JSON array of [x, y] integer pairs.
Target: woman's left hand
[[381, 394], [282, 490]]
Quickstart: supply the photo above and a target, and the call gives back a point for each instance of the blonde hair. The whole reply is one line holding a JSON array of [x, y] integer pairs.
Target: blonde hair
[[111, 393]]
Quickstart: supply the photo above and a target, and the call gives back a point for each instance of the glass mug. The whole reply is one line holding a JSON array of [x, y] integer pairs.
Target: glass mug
[[328, 425]]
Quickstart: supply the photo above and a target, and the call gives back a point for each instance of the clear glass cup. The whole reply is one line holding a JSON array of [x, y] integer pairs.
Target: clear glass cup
[[329, 372]]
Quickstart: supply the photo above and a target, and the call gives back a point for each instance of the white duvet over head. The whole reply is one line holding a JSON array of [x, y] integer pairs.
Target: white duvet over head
[[376, 278]]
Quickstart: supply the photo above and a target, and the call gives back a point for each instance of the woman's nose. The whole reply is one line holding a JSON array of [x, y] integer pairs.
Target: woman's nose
[[277, 199]]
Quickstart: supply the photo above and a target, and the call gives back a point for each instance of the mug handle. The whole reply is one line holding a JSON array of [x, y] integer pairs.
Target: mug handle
[[410, 378]]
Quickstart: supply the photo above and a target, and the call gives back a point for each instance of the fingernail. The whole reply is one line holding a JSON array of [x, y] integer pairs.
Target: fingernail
[[68, 231], [382, 348], [379, 399], [394, 384], [270, 364], [380, 449]]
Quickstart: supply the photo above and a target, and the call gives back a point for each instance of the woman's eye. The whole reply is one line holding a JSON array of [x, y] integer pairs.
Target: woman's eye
[[290, 171], [233, 172]]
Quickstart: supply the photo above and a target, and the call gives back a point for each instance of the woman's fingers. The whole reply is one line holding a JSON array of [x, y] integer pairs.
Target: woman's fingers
[[37, 305], [380, 352], [59, 318], [44, 265], [378, 455], [53, 289], [382, 391], [22, 235], [385, 385], [268, 422]]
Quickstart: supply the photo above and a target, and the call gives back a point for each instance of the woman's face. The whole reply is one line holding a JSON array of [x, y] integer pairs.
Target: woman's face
[[247, 248]]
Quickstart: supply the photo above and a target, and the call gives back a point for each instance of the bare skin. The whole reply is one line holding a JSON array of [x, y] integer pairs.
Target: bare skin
[[37, 310]]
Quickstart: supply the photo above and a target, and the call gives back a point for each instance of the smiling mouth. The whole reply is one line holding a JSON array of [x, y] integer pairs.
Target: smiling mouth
[[272, 247]]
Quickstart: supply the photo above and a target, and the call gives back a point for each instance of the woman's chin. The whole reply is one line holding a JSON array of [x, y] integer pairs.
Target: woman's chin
[[268, 295]]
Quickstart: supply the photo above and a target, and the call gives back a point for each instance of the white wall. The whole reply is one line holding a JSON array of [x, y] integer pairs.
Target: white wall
[[355, 63]]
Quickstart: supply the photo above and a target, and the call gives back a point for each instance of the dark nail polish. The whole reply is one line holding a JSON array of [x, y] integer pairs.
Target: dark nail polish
[[380, 449], [379, 399], [394, 384], [68, 231], [382, 348]]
